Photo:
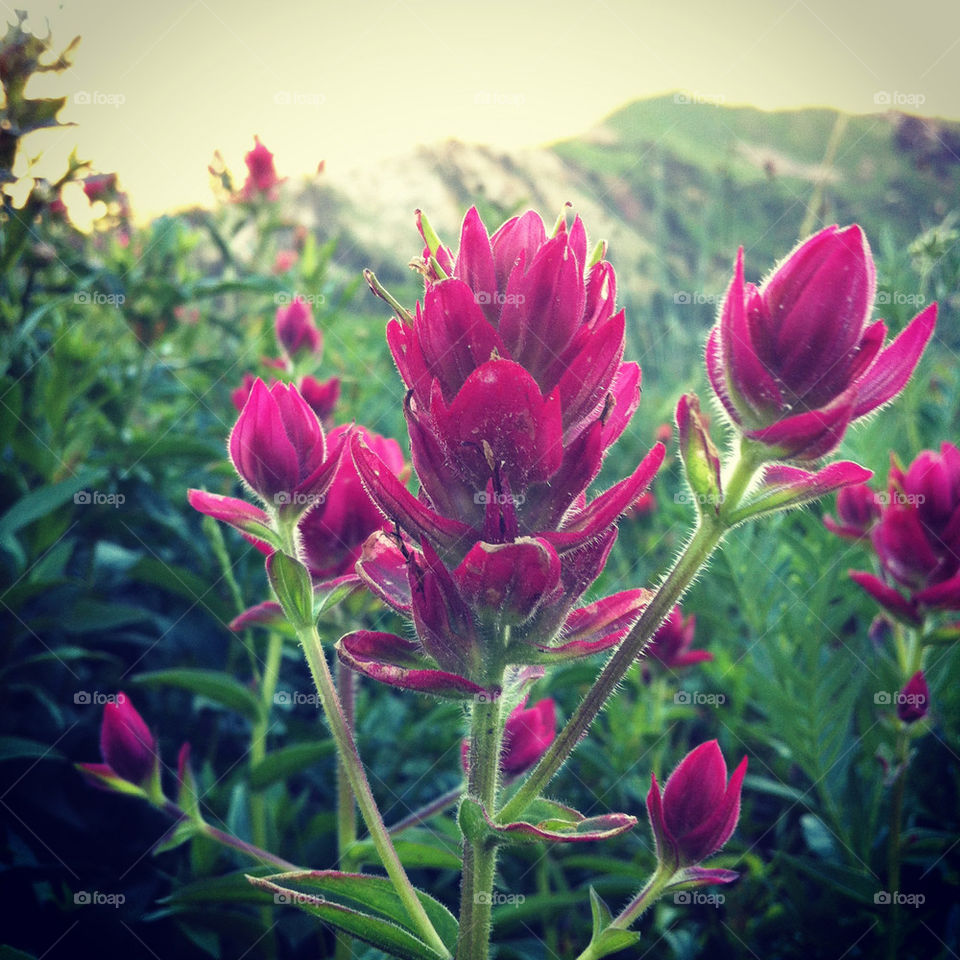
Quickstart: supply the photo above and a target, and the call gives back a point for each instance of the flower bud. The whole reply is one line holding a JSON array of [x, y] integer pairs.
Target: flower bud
[[698, 809], [914, 699], [795, 361]]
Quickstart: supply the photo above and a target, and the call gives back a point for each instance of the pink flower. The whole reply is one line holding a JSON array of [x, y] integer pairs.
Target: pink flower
[[527, 736], [262, 179], [516, 390], [278, 447], [697, 811], [796, 360], [913, 701], [917, 537], [127, 746], [670, 645], [296, 331]]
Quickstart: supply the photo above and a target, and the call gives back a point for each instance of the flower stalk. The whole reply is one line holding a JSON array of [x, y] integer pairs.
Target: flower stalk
[[347, 750]]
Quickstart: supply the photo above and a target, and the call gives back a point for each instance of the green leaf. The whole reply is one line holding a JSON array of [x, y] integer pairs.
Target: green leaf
[[17, 748], [38, 503], [290, 760], [229, 888], [386, 927], [411, 854], [291, 583], [211, 684]]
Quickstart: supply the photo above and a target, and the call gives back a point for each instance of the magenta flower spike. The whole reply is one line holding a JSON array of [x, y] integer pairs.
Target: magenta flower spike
[[278, 447], [917, 538], [671, 645], [913, 701], [697, 811], [296, 330], [262, 179], [796, 360], [516, 390]]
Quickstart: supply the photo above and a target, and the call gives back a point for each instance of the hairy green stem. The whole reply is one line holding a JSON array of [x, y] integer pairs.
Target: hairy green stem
[[346, 808], [347, 749], [480, 859]]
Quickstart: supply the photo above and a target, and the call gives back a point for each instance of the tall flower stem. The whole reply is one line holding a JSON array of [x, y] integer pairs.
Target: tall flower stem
[[708, 533], [480, 858], [346, 808], [258, 735], [347, 749]]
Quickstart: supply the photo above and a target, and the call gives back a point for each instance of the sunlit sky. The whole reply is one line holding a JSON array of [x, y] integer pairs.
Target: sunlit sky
[[364, 81]]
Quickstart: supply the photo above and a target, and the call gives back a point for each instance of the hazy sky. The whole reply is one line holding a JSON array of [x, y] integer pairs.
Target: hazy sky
[[158, 86]]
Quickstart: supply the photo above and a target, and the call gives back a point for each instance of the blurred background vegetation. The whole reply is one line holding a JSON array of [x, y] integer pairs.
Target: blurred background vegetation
[[119, 349]]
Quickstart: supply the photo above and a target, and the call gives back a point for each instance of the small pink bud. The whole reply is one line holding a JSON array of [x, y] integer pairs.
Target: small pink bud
[[698, 809], [277, 446], [913, 700], [126, 744], [296, 331]]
